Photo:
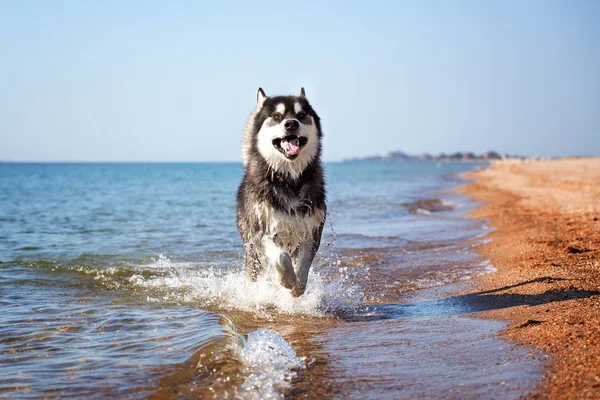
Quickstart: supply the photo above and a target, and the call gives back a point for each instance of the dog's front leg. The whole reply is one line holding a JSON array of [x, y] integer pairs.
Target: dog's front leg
[[305, 258], [281, 261]]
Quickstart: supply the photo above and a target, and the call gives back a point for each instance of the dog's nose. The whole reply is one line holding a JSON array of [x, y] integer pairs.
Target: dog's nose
[[291, 125]]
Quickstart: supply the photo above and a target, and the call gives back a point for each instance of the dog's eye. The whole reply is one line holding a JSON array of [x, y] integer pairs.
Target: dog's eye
[[276, 117], [301, 115]]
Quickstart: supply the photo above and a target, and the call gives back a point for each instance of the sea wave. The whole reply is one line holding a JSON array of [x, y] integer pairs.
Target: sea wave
[[264, 363], [226, 288], [272, 364]]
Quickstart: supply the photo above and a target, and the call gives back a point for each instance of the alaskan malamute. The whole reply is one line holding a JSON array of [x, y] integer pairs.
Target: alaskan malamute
[[281, 200]]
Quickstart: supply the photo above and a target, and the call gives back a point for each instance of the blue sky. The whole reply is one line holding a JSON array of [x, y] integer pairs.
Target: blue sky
[[175, 81]]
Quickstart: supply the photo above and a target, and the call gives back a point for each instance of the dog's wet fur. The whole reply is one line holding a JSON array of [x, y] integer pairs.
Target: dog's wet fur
[[281, 200]]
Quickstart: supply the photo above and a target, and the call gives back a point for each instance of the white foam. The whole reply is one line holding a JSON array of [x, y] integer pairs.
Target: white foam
[[272, 364], [452, 275], [452, 204], [228, 288]]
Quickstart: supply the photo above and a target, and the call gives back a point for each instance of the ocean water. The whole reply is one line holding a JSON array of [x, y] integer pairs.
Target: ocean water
[[127, 281]]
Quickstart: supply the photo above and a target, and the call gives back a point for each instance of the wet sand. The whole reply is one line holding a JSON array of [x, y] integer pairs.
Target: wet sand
[[546, 248]]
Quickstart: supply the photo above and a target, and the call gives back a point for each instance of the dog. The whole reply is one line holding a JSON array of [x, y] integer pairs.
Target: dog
[[281, 200]]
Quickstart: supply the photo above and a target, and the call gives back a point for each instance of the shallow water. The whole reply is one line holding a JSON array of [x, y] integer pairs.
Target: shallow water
[[127, 280]]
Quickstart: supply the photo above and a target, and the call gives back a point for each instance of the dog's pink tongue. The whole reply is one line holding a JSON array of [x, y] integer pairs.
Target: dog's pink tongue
[[292, 147]]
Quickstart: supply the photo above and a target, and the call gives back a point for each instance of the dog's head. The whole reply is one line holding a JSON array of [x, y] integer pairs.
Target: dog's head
[[285, 131]]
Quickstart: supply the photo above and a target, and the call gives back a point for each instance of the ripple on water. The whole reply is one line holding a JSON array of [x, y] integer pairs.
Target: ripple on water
[[137, 349]]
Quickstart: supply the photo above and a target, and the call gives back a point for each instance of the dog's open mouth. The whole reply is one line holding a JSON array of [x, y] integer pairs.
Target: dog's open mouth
[[290, 145]]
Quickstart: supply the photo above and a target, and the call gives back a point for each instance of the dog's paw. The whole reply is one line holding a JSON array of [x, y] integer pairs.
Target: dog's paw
[[285, 271], [298, 290]]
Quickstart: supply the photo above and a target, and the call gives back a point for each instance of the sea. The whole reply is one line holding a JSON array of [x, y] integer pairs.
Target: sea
[[126, 280]]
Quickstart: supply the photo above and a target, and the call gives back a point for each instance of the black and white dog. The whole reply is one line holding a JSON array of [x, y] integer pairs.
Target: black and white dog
[[281, 200]]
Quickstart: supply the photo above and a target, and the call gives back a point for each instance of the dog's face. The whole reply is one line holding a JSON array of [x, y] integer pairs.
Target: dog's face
[[286, 132]]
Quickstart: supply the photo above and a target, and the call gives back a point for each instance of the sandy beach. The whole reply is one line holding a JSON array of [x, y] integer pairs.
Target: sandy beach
[[546, 247]]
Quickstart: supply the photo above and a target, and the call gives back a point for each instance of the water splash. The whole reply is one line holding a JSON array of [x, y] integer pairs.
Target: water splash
[[272, 364], [228, 289], [260, 366]]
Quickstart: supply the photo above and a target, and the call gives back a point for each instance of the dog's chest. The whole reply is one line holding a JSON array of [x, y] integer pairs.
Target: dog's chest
[[289, 229]]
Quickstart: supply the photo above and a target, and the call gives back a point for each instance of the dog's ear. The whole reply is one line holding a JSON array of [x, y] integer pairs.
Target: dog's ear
[[302, 93], [260, 98]]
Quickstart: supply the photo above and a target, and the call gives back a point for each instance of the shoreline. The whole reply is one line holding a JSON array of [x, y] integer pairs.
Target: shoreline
[[546, 249]]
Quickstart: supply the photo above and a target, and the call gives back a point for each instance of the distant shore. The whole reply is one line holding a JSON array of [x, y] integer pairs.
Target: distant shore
[[464, 156], [546, 248]]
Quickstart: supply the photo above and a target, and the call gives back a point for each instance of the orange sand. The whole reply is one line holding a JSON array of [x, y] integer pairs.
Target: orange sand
[[547, 252]]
